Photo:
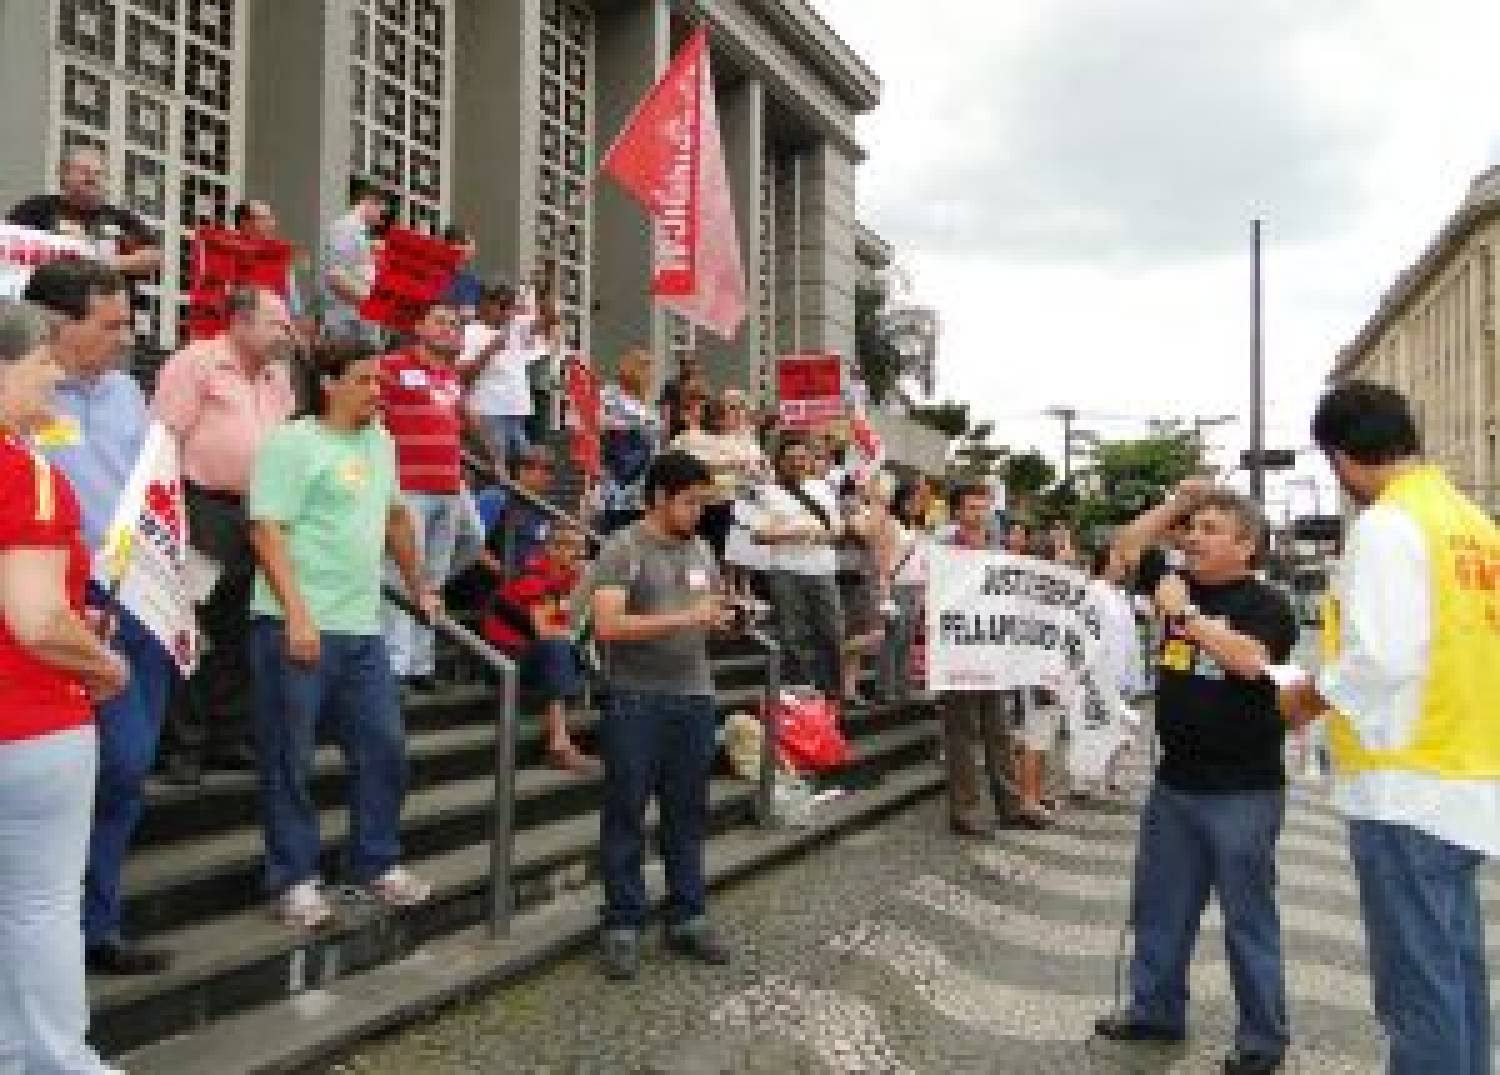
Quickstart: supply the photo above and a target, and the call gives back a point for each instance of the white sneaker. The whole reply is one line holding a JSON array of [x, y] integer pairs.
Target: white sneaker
[[399, 887], [303, 907]]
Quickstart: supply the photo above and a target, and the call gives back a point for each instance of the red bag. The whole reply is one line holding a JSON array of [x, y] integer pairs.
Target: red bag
[[807, 734]]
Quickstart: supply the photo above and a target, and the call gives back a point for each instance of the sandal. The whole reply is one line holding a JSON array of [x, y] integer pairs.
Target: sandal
[[572, 760]]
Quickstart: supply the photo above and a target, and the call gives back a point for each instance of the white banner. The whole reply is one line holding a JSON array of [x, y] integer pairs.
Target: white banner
[[145, 550], [23, 249], [1001, 622]]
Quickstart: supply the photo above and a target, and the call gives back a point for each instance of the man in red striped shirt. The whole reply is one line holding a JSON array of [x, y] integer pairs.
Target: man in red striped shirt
[[420, 392]]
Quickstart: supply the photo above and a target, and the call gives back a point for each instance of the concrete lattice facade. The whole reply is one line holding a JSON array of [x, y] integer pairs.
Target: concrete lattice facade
[[1433, 339], [492, 113]]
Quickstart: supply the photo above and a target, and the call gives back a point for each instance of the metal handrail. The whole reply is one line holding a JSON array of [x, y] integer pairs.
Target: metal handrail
[[765, 792], [503, 808], [487, 471]]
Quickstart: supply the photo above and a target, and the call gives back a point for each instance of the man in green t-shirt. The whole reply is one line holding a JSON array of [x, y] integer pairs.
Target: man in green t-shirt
[[325, 512]]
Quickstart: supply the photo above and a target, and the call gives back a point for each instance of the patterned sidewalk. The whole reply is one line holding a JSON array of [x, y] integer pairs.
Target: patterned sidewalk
[[903, 950]]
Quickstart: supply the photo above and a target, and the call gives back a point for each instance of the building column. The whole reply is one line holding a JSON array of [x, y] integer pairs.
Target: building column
[[25, 130], [742, 121], [634, 47], [826, 267], [496, 148]]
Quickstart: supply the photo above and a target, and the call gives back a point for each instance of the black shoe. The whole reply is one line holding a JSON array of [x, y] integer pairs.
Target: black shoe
[[420, 684], [1120, 1028], [1246, 1063], [181, 771], [236, 759], [961, 827], [700, 942], [119, 958], [620, 954]]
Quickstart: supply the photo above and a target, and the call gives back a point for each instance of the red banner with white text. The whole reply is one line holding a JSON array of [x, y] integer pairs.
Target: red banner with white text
[[412, 272], [585, 415], [223, 260]]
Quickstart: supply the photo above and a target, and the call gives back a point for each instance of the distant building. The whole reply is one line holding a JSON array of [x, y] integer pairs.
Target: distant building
[[1433, 338]]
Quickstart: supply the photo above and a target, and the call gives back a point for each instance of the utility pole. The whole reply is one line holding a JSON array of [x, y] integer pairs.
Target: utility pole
[[1257, 375], [1066, 415]]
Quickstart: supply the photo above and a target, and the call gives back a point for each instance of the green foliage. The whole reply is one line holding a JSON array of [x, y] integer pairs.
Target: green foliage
[[1128, 476], [875, 352], [948, 418], [1027, 474]]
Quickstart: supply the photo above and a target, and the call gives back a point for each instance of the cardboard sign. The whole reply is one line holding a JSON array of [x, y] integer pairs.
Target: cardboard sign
[[412, 272], [23, 249], [810, 388], [224, 260]]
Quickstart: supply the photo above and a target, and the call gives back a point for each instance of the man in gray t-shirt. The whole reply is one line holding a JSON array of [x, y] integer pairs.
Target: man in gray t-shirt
[[655, 598]]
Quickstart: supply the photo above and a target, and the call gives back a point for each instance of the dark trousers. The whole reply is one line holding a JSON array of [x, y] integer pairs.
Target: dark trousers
[[352, 686], [971, 720], [128, 728], [1192, 844], [1424, 925], [662, 745], [809, 623], [210, 714]]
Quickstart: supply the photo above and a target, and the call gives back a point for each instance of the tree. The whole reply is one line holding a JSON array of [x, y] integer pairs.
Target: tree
[[948, 418], [1026, 475], [976, 457], [1130, 475], [875, 351]]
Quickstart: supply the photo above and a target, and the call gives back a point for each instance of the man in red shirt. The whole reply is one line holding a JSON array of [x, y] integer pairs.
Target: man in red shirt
[[531, 618], [420, 392]]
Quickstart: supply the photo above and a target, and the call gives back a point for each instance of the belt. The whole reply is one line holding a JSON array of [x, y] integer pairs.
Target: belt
[[194, 489]]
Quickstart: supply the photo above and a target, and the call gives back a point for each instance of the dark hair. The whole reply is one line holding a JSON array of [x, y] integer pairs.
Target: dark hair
[[456, 233], [787, 443], [363, 190], [903, 503], [240, 212], [1022, 523], [497, 291], [1099, 562], [673, 472], [963, 490], [331, 359], [242, 300], [1368, 422], [66, 286]]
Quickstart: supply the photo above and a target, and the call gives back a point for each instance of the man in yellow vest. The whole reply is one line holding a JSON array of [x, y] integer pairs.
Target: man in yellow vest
[[1414, 726]]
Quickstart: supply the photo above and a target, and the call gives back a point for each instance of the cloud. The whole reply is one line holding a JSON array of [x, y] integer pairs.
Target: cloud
[[1140, 131]]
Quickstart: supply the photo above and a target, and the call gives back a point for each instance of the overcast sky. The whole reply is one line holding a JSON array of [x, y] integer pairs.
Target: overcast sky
[[1071, 183]]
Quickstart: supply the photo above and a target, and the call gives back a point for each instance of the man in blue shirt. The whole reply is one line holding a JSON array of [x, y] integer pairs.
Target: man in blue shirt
[[96, 441]]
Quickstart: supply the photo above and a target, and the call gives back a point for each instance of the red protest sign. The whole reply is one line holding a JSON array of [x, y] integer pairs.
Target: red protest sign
[[411, 273], [223, 260], [810, 388]]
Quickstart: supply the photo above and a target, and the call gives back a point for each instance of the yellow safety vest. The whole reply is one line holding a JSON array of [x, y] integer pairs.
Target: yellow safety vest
[[1457, 735]]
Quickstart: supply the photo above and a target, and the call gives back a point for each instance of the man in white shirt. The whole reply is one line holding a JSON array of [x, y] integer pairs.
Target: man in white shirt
[[349, 267], [798, 522], [493, 367], [1412, 685]]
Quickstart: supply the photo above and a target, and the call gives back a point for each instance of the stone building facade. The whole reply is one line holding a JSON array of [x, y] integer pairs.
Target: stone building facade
[[491, 113], [1433, 338]]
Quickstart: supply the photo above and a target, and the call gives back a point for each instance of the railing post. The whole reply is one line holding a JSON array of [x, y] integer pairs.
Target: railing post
[[766, 792], [503, 809]]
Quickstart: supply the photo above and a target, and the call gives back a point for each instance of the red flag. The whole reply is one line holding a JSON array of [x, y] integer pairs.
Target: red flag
[[586, 415], [670, 158]]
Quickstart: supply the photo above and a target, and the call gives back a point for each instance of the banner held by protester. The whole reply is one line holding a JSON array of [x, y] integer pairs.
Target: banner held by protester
[[22, 249], [224, 260], [144, 558], [1001, 622], [411, 273]]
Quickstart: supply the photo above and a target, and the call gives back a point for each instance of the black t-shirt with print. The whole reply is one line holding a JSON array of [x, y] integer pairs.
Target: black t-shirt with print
[[1220, 733], [48, 212]]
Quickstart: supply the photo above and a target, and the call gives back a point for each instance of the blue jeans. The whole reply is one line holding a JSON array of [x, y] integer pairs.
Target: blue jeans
[[505, 433], [1191, 844], [352, 685], [128, 730], [662, 745], [436, 518], [46, 798], [1424, 926]]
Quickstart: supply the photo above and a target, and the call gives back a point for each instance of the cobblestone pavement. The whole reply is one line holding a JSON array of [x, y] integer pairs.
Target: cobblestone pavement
[[903, 950]]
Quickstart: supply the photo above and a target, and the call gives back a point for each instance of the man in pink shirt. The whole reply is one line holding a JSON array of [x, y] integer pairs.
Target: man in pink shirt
[[222, 397]]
